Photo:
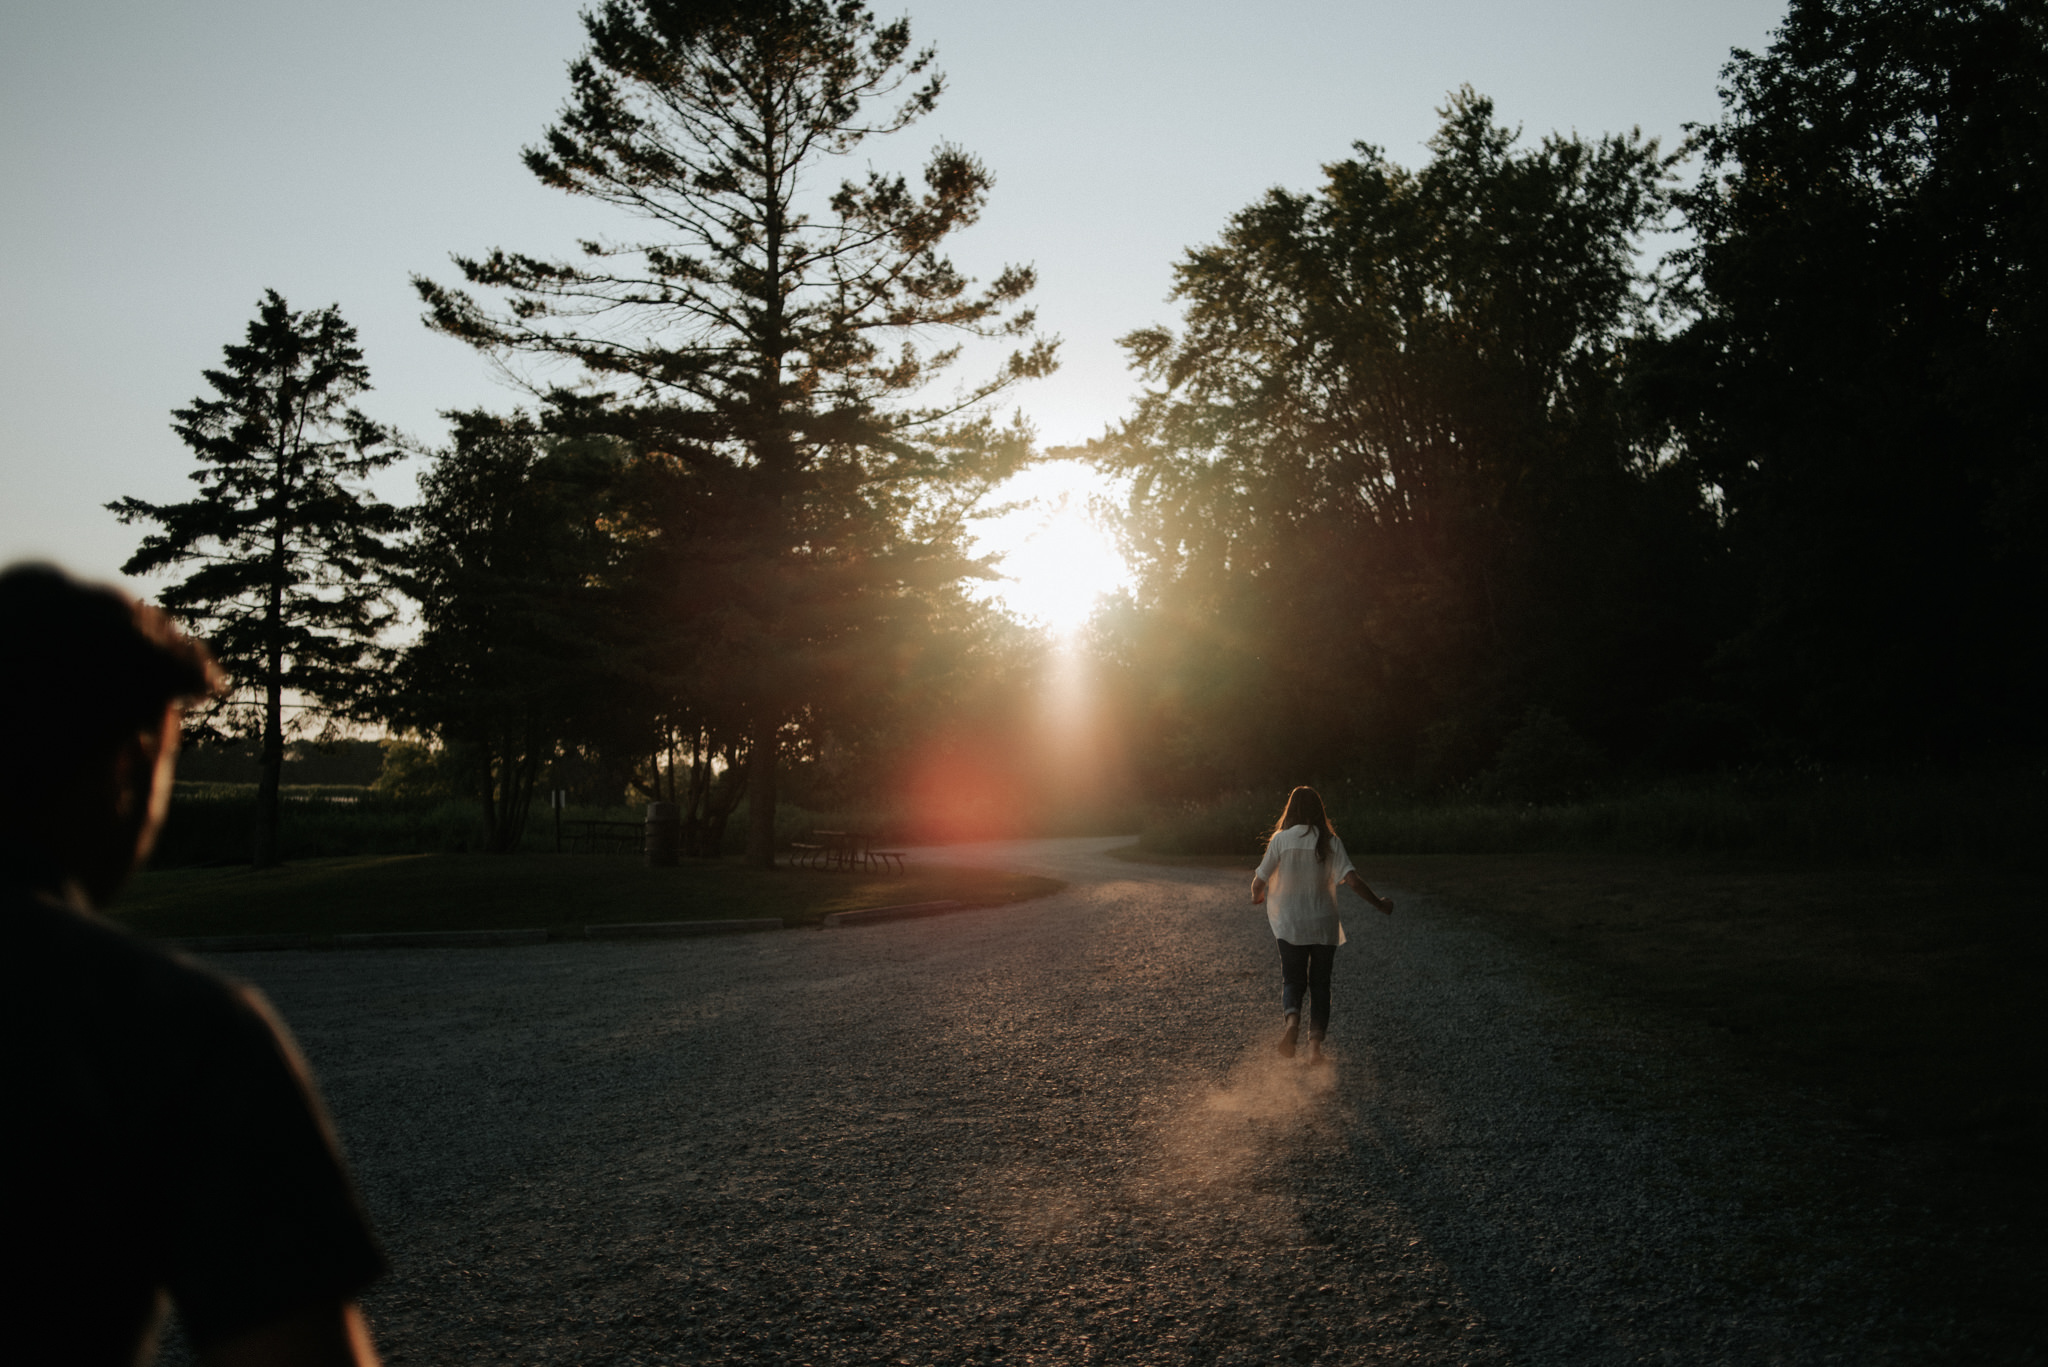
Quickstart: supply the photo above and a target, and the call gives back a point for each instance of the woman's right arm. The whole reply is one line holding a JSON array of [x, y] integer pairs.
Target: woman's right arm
[[1358, 885]]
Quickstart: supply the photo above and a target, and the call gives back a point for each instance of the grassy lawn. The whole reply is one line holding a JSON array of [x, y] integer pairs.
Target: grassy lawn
[[1912, 993], [1905, 999], [510, 892]]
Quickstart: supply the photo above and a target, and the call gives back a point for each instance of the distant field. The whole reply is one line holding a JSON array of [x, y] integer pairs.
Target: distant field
[[509, 892]]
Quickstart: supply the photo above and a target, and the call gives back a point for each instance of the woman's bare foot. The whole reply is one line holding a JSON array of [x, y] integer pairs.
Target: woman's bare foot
[[1288, 1035]]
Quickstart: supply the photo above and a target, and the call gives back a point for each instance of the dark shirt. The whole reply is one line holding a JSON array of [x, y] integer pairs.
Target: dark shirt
[[162, 1136]]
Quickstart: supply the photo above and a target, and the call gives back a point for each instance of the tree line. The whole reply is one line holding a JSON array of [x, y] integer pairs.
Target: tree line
[[730, 531], [1441, 482], [1441, 478]]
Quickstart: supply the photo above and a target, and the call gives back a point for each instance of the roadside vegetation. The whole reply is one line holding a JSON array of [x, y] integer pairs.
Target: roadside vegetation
[[1995, 817]]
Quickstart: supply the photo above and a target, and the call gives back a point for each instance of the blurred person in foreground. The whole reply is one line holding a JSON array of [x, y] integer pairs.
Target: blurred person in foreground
[[166, 1140], [1297, 881]]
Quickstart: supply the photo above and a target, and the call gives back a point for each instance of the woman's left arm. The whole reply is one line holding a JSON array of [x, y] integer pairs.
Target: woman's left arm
[[1358, 885]]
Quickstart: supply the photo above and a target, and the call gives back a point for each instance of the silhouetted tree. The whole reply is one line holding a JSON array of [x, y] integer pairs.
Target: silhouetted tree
[[290, 588], [1860, 378], [1385, 493], [766, 337], [509, 567]]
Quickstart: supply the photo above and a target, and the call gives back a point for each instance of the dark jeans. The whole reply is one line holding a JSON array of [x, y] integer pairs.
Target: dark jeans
[[1306, 968]]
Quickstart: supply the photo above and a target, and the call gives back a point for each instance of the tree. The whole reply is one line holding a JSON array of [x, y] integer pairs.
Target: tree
[[508, 566], [1859, 374], [290, 591], [1385, 492], [767, 338]]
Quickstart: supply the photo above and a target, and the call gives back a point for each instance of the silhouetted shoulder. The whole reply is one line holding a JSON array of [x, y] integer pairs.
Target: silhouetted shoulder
[[78, 963], [171, 1141]]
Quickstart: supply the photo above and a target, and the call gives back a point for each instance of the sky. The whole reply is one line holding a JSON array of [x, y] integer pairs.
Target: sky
[[166, 161]]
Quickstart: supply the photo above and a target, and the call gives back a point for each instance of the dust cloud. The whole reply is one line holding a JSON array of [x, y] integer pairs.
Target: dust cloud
[[1204, 1170]]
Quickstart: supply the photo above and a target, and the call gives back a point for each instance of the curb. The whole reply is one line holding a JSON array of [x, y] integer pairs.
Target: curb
[[663, 930], [432, 939], [229, 944], [629, 930], [902, 913]]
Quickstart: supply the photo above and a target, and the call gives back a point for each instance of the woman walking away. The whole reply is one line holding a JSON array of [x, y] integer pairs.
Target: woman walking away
[[1297, 880]]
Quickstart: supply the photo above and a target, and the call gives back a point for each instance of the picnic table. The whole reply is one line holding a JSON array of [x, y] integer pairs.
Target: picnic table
[[844, 850]]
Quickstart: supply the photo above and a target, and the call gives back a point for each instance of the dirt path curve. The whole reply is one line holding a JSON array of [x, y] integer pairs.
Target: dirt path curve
[[1052, 1132]]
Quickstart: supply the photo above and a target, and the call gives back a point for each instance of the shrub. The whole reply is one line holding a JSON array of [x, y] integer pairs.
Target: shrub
[[215, 824], [1840, 816], [414, 769], [1542, 760]]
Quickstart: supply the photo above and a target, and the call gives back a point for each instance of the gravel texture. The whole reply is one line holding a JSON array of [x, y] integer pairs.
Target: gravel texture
[[1057, 1132]]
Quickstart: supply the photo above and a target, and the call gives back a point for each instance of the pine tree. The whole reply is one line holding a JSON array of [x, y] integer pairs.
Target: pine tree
[[290, 551], [771, 338]]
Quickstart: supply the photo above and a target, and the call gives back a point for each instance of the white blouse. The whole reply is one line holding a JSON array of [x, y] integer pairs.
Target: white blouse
[[1301, 893]]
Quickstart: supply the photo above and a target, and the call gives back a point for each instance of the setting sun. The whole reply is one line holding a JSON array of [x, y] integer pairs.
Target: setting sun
[[1058, 560]]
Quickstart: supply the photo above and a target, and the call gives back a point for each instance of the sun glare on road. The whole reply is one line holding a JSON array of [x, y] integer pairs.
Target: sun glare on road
[[1057, 560]]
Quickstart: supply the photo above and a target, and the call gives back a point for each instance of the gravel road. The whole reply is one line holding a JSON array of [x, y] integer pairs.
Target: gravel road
[[1054, 1132]]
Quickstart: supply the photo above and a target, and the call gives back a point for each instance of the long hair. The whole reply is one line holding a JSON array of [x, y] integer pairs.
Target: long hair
[[1305, 808]]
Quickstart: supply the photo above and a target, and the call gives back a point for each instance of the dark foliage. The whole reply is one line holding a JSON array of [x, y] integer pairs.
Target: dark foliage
[[1386, 493], [338, 761], [510, 568], [1860, 376]]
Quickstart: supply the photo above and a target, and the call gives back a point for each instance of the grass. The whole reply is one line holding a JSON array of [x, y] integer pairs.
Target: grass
[[410, 892], [1911, 993], [212, 824]]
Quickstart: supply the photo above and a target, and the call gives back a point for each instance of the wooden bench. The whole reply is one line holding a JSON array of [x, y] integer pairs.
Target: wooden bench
[[844, 850]]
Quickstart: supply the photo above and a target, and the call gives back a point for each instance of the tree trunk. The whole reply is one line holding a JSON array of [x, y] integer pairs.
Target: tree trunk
[[487, 788], [721, 799], [761, 794], [516, 804], [265, 851], [696, 803], [265, 854]]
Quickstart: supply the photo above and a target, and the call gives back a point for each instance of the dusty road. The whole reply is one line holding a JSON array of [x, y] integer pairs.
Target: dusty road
[[1053, 1133]]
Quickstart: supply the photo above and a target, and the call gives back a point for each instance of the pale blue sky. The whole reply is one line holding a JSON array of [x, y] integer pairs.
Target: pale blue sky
[[165, 162]]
